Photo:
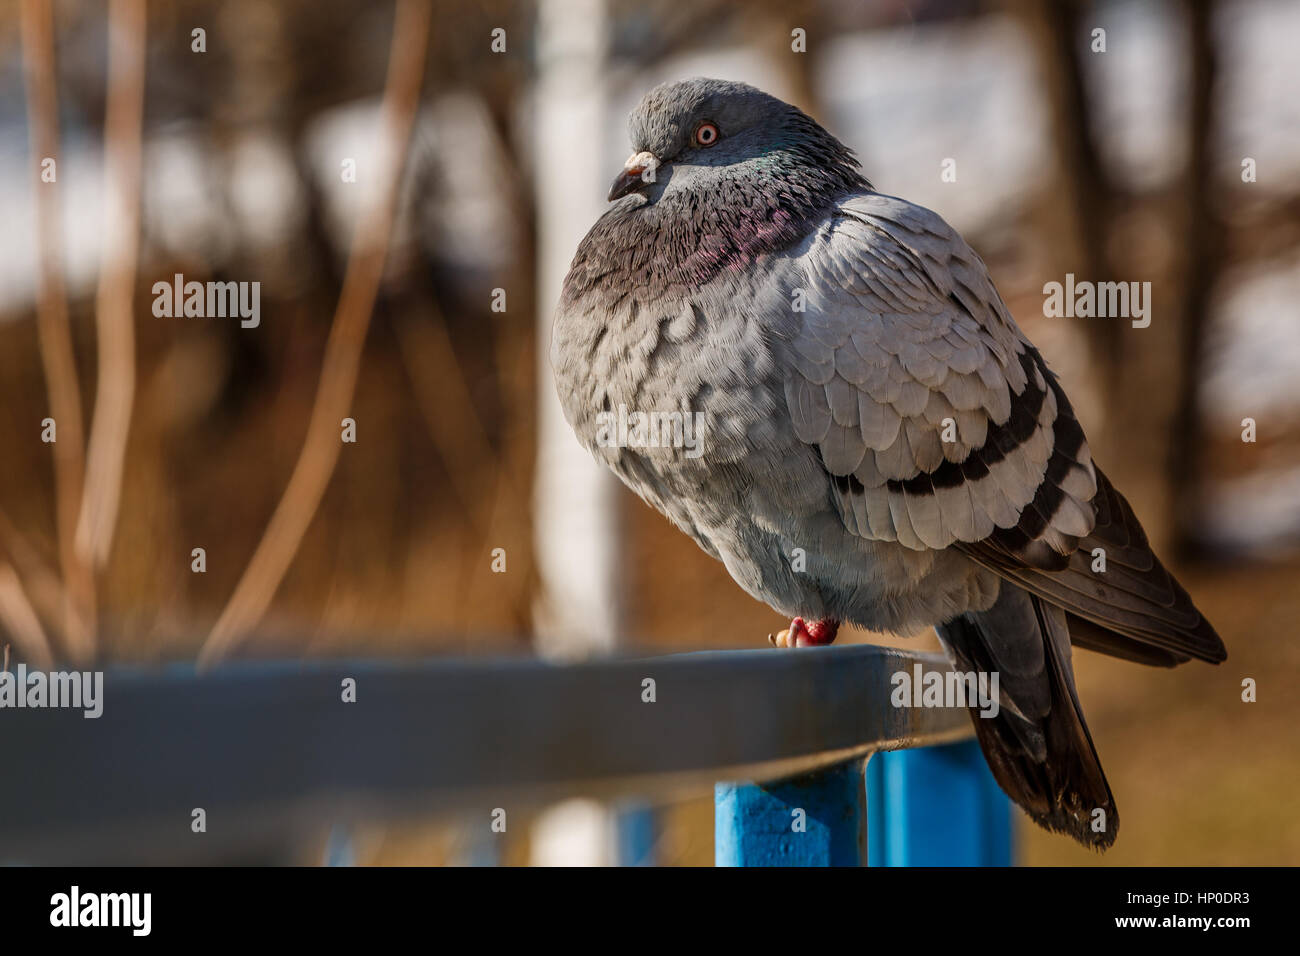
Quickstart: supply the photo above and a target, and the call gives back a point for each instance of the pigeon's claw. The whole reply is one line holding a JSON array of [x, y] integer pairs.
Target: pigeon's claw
[[803, 634]]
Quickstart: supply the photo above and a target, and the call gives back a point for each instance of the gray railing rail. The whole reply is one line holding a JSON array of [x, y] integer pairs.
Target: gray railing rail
[[273, 754]]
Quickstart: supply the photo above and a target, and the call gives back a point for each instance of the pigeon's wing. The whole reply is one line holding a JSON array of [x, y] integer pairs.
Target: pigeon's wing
[[1120, 599], [937, 420], [939, 425]]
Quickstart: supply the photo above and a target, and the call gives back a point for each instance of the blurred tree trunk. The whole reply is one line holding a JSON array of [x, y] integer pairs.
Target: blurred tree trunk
[[770, 34], [1057, 29], [577, 538], [1200, 271]]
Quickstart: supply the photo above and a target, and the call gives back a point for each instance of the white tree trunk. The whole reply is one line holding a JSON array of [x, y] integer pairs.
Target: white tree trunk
[[577, 541]]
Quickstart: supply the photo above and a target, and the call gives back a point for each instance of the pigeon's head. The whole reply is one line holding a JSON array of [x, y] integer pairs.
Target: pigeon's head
[[698, 134]]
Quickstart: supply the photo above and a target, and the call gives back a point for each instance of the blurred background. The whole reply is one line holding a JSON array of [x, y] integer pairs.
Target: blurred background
[[408, 182]]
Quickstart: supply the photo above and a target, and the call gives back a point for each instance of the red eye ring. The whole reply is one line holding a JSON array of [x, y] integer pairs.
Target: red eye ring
[[706, 134]]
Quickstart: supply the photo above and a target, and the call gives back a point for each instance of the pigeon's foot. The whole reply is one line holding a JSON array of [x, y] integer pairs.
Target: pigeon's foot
[[802, 634]]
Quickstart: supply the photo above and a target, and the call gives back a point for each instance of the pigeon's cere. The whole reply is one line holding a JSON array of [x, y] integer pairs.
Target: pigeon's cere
[[638, 169], [880, 442]]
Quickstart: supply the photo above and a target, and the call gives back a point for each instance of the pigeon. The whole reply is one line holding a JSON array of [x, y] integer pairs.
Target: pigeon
[[820, 385]]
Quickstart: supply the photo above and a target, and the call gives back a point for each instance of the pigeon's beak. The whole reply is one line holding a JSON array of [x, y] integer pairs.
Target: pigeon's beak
[[638, 171]]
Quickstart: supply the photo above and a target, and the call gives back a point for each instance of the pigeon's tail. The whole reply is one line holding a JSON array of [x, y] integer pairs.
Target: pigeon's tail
[[1036, 743]]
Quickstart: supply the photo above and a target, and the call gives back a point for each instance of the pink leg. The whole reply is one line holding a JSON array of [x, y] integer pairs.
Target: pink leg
[[803, 634]]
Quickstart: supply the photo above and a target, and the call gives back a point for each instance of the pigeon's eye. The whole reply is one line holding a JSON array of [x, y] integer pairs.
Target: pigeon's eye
[[706, 134]]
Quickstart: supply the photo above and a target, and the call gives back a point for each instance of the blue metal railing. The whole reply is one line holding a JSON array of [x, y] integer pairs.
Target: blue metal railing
[[275, 757], [931, 806]]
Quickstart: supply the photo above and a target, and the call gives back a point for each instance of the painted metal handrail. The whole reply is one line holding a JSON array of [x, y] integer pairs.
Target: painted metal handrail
[[276, 753]]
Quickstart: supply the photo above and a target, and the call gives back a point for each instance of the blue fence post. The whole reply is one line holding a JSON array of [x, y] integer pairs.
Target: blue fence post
[[636, 832], [815, 820], [339, 848], [936, 806], [477, 844]]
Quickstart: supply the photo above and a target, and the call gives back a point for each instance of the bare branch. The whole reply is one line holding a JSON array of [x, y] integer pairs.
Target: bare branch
[[342, 361], [115, 391], [40, 582], [20, 620], [52, 325]]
